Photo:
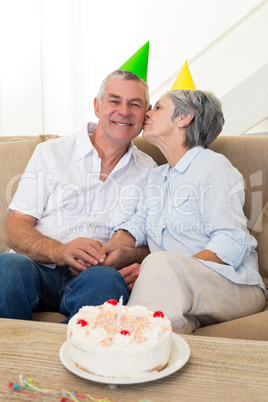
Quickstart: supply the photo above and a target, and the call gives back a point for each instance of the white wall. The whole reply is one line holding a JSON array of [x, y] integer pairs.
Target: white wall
[[246, 106], [21, 103], [55, 53], [235, 67]]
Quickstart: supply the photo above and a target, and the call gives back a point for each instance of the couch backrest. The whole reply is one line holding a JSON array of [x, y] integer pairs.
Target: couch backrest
[[249, 156]]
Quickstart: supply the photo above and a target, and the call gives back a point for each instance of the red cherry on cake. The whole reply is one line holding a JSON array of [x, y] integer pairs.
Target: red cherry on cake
[[124, 332], [82, 322], [159, 314], [112, 301]]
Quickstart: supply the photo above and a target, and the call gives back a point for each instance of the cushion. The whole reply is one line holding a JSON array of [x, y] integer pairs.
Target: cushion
[[49, 317], [249, 155], [260, 232], [253, 327]]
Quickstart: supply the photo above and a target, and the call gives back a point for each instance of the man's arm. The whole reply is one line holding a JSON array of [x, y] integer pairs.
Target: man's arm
[[22, 237]]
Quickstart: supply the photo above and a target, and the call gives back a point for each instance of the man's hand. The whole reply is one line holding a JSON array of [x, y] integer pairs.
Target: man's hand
[[80, 253], [130, 274], [22, 237]]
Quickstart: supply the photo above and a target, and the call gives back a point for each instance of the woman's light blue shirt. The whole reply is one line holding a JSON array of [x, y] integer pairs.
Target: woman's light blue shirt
[[196, 205]]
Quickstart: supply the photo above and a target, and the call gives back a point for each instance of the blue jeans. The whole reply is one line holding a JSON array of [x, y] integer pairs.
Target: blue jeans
[[26, 286]]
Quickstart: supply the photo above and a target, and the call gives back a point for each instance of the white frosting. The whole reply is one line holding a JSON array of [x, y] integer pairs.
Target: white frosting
[[96, 344]]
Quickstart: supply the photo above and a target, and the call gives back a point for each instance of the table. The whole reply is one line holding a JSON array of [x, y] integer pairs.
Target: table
[[218, 369]]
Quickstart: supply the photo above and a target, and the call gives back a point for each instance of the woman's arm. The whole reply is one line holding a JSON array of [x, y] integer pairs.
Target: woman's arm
[[222, 205], [123, 237]]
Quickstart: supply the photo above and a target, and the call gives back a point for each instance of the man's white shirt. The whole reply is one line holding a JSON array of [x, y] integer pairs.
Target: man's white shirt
[[61, 188]]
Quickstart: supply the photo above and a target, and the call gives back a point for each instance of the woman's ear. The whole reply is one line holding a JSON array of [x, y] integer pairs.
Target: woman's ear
[[184, 120], [96, 107]]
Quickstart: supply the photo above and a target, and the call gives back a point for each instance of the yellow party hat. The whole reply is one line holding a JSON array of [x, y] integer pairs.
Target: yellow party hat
[[138, 63], [184, 79]]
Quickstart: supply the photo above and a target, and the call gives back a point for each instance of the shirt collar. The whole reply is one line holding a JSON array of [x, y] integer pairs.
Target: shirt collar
[[184, 162], [134, 152], [83, 144], [165, 172], [126, 158], [187, 159]]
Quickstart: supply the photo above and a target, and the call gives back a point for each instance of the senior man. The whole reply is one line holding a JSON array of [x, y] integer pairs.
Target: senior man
[[74, 190]]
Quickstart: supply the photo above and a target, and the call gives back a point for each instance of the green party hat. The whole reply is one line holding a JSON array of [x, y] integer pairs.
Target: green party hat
[[138, 63], [184, 79]]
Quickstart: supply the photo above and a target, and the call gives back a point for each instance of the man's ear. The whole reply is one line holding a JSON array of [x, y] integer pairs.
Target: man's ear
[[96, 108], [184, 120]]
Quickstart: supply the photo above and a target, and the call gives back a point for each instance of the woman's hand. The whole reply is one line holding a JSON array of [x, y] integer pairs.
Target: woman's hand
[[130, 274], [120, 256], [208, 255]]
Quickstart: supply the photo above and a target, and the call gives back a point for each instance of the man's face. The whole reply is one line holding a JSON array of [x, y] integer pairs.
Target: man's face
[[122, 110]]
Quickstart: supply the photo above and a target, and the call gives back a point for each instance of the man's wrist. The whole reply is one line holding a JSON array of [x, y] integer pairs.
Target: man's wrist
[[123, 237]]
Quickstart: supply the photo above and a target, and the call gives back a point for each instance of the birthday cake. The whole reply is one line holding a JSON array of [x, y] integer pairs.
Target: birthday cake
[[112, 340]]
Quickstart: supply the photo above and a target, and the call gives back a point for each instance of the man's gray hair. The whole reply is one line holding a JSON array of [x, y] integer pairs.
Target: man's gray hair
[[208, 118], [124, 75]]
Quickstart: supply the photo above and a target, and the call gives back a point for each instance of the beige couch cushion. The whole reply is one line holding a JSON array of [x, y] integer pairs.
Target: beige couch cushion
[[15, 153], [249, 155], [150, 149], [253, 327], [260, 232], [49, 317]]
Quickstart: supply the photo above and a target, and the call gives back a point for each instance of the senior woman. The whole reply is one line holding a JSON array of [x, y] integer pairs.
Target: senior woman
[[203, 267]]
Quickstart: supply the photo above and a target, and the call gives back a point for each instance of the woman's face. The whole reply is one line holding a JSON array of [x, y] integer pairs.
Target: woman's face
[[158, 121]]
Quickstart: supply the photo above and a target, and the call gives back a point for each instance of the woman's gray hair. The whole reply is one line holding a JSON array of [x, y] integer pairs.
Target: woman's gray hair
[[124, 75], [208, 118]]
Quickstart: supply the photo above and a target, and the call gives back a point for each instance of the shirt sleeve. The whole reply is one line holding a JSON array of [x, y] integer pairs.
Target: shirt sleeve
[[136, 225], [136, 229], [32, 192], [223, 200]]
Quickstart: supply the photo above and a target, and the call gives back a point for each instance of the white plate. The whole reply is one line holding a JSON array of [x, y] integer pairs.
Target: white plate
[[180, 353]]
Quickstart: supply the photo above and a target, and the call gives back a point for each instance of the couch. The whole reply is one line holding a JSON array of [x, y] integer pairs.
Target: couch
[[247, 153]]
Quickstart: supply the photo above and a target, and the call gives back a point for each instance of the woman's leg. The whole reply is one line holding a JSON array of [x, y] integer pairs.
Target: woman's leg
[[191, 294]]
